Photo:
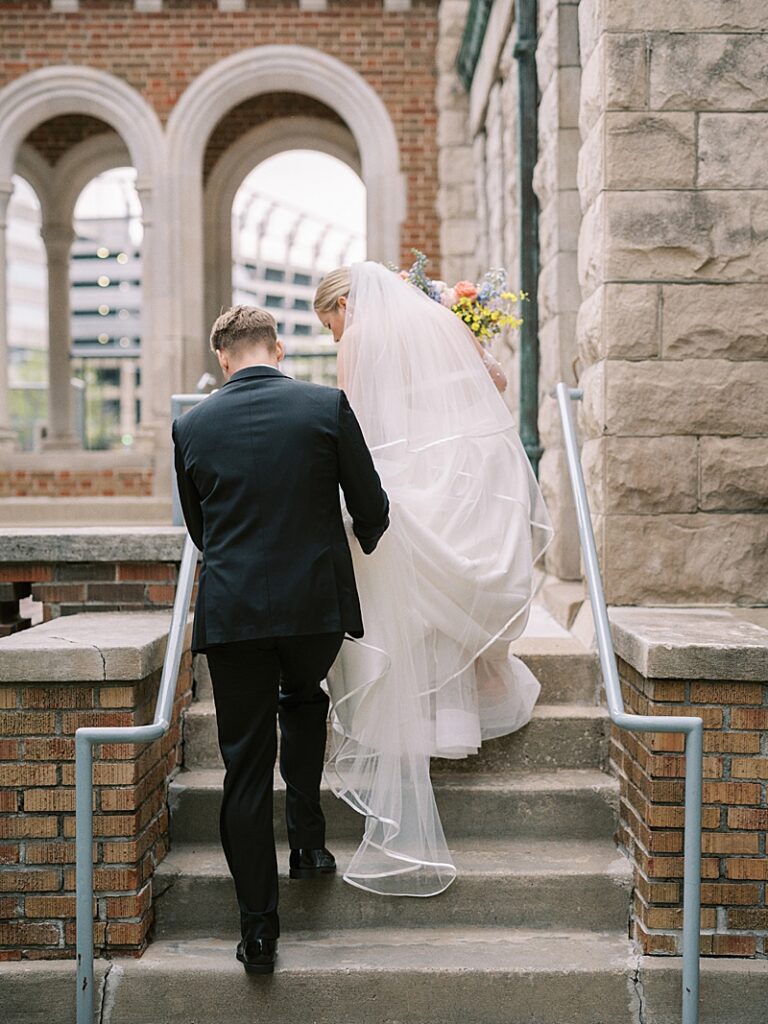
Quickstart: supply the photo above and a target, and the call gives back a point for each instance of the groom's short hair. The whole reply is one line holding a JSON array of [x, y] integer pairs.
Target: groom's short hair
[[243, 327]]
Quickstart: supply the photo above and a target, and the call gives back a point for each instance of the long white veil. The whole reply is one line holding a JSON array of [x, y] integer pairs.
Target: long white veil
[[448, 587]]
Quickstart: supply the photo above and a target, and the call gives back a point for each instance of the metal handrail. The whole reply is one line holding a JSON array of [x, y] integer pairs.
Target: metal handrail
[[87, 737], [691, 726]]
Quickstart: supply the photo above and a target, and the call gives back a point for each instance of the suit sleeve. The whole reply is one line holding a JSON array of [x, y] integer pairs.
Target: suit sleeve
[[366, 500], [190, 499]]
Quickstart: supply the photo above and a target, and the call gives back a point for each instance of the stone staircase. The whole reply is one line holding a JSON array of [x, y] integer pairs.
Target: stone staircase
[[533, 930]]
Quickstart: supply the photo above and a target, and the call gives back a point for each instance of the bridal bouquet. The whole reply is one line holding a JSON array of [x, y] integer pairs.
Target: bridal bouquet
[[486, 308]]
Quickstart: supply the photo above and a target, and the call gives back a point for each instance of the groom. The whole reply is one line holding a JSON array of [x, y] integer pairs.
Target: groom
[[259, 465]]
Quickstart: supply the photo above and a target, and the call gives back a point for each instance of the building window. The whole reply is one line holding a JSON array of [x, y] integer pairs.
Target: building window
[[274, 274], [302, 279], [302, 329], [301, 304], [275, 301]]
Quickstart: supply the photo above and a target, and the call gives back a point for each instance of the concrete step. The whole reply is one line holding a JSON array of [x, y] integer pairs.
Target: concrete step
[[568, 671], [509, 883], [578, 804], [558, 736], [475, 976]]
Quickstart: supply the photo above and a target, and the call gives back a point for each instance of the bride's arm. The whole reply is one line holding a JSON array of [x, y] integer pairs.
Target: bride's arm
[[495, 371]]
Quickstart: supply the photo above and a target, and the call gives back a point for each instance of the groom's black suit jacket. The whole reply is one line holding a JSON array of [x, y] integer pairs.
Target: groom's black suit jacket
[[259, 464]]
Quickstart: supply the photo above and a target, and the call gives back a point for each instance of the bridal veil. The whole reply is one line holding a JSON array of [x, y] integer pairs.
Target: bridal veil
[[448, 587]]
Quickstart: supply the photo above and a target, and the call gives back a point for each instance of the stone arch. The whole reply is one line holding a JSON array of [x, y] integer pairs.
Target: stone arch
[[229, 172], [293, 69], [60, 90]]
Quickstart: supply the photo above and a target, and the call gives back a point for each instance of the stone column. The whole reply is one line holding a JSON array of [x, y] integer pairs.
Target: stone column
[[673, 267], [555, 182], [7, 436], [58, 238], [128, 397], [456, 192]]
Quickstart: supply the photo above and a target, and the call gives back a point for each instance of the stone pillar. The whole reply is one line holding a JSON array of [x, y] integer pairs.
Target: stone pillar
[[58, 239], [555, 182], [7, 436], [456, 193], [673, 267], [128, 397], [147, 433], [724, 684]]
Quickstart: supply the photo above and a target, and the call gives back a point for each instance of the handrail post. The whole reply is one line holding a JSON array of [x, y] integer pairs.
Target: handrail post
[[691, 726], [692, 873], [84, 876]]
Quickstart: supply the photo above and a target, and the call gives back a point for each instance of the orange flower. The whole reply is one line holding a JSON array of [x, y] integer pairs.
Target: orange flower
[[466, 290]]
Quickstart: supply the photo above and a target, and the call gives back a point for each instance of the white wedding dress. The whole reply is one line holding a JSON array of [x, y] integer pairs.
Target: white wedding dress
[[449, 585]]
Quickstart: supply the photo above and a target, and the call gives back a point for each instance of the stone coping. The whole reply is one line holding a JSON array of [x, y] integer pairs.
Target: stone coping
[[92, 544], [102, 646], [693, 643], [22, 513], [75, 460]]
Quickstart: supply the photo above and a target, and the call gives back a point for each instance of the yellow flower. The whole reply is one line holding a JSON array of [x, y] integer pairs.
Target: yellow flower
[[475, 326]]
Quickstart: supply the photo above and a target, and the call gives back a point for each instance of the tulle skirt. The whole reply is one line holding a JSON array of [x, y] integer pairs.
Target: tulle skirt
[[448, 587]]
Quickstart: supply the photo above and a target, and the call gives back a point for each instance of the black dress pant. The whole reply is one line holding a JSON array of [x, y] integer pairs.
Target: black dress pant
[[253, 681]]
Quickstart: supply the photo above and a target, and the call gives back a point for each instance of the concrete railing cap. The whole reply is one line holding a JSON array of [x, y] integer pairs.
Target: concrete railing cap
[[693, 643], [100, 646], [92, 544]]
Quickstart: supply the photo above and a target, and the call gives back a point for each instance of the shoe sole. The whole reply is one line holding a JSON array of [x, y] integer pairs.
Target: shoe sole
[[256, 968], [310, 872]]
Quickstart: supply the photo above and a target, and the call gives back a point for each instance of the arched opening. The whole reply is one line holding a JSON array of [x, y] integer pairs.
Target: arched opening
[[27, 305], [297, 215], [60, 127], [352, 119], [105, 308]]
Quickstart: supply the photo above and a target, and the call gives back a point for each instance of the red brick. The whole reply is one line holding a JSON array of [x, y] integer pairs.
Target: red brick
[[749, 718], [25, 573], [748, 818], [9, 853], [19, 933], [10, 750], [729, 894], [28, 775], [57, 748], [747, 868], [30, 881], [57, 697], [27, 723], [154, 572]]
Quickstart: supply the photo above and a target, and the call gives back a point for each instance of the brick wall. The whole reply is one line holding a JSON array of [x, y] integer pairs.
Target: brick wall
[[66, 588], [64, 483], [651, 772], [161, 54], [38, 719]]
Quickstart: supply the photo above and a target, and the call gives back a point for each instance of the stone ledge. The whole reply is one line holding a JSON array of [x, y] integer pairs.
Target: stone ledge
[[104, 646], [693, 643], [92, 544]]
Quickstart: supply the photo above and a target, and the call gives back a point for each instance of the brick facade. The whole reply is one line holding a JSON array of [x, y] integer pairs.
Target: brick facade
[[65, 483], [38, 719], [160, 54], [733, 704]]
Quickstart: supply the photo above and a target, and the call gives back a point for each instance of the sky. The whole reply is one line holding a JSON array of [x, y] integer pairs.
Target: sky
[[329, 195]]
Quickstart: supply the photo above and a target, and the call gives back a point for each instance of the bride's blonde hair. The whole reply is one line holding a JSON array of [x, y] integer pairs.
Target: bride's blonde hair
[[332, 287]]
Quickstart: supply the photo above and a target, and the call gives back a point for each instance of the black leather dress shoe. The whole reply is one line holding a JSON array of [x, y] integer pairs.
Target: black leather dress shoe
[[257, 955], [311, 863]]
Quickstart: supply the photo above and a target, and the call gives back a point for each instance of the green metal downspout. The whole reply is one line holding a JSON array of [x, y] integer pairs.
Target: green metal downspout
[[527, 136]]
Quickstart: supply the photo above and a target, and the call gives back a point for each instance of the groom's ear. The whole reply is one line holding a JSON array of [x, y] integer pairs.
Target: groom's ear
[[221, 355], [280, 350]]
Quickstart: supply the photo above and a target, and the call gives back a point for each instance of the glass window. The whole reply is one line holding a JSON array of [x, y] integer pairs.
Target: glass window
[[302, 279], [275, 301], [301, 304], [274, 274], [302, 329]]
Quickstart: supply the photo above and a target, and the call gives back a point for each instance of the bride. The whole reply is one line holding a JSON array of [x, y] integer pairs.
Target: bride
[[450, 583]]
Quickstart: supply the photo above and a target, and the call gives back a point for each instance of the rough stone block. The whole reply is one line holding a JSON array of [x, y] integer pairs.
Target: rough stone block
[[559, 286], [711, 321], [732, 151], [563, 557], [619, 321], [649, 150], [456, 165], [590, 170], [683, 15], [698, 396], [557, 352], [709, 71], [591, 254], [734, 474], [685, 559], [625, 71], [592, 98], [686, 235], [559, 223], [452, 128], [643, 475], [591, 412]]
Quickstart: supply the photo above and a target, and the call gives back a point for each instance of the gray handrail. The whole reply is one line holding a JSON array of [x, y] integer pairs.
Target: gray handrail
[[691, 726], [86, 737]]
